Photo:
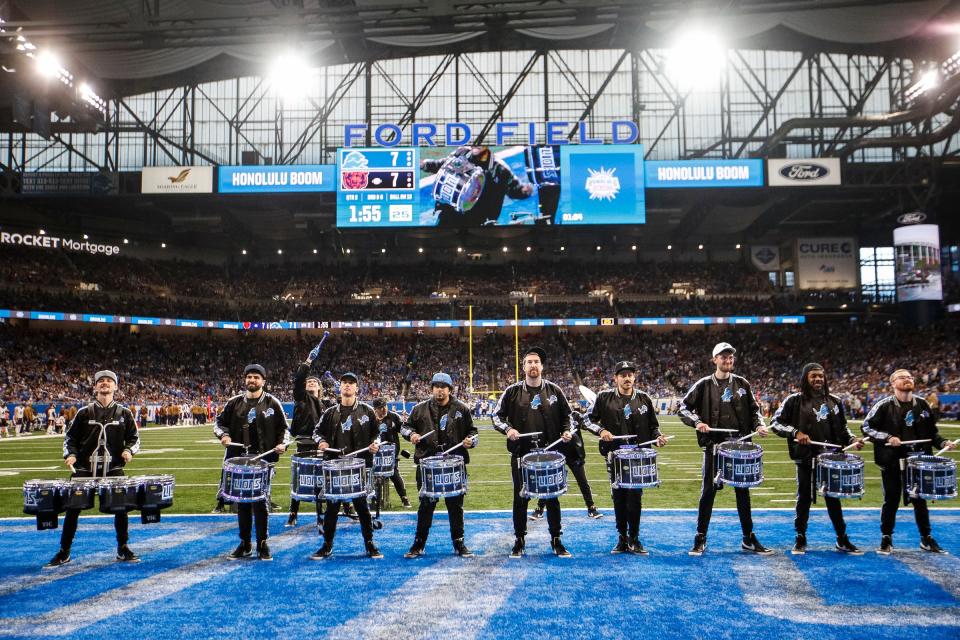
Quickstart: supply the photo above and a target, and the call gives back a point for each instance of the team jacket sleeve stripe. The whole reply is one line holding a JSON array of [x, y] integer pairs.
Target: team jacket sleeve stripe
[[875, 415]]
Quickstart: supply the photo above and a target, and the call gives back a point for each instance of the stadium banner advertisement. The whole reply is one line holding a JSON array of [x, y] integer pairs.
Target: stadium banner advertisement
[[46, 241], [295, 178], [452, 134], [917, 248], [827, 263], [704, 174], [812, 172], [176, 180], [490, 186], [765, 257], [714, 320], [96, 183]]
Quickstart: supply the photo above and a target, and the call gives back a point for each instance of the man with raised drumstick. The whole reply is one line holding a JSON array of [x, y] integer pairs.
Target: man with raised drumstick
[[533, 406], [894, 424], [808, 418], [252, 422], [616, 414], [718, 406], [434, 426]]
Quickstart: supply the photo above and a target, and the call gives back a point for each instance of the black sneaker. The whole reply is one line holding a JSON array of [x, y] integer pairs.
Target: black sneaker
[[518, 547], [593, 513], [62, 558], [800, 546], [124, 554], [323, 552], [263, 551], [218, 509], [751, 544], [561, 551], [243, 550], [844, 545], [405, 502], [636, 547], [372, 550], [927, 543], [623, 545], [699, 545], [274, 507], [350, 512], [461, 549], [416, 549], [291, 521], [537, 513], [886, 546]]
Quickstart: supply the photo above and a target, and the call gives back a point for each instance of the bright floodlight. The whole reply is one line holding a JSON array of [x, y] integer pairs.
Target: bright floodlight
[[289, 77], [695, 60], [48, 65]]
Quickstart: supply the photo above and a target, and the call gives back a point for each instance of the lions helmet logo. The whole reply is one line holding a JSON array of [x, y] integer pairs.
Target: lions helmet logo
[[383, 427], [346, 426], [643, 409], [823, 413], [909, 419], [443, 423], [364, 419], [627, 412], [727, 395], [924, 414], [741, 392], [458, 415], [251, 416], [552, 399], [268, 412], [535, 403]]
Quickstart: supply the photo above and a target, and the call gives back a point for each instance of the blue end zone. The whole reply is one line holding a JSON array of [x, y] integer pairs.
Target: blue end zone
[[186, 588]]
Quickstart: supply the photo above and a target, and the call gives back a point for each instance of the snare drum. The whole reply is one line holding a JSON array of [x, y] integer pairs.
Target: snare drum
[[544, 474], [840, 475], [42, 496], [118, 494], [306, 478], [79, 493], [931, 477], [155, 492], [385, 460], [739, 464], [634, 468], [459, 184], [344, 479], [245, 480], [442, 476]]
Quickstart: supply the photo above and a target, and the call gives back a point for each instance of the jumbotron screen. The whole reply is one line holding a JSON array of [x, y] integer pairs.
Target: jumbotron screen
[[475, 186]]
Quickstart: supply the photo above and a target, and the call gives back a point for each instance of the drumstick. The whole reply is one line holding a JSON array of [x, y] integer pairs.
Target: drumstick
[[332, 450], [723, 430], [265, 453], [353, 453], [824, 444], [588, 394], [903, 442], [654, 440], [749, 435], [73, 470], [851, 446], [235, 444], [940, 453], [531, 434], [456, 446]]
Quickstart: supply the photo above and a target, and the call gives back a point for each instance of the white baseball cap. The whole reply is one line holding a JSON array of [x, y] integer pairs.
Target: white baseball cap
[[721, 347]]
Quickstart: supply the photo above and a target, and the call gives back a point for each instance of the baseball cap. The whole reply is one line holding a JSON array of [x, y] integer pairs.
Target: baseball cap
[[624, 365], [106, 373], [441, 378], [721, 347]]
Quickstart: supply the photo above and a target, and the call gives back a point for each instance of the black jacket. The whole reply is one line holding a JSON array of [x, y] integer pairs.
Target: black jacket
[[390, 427], [306, 408], [829, 426], [81, 437], [913, 420], [634, 416], [702, 404], [513, 409], [450, 425], [348, 429], [262, 426]]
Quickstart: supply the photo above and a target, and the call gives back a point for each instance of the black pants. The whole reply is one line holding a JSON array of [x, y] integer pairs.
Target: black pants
[[579, 470], [627, 504], [805, 498], [429, 505], [520, 505], [892, 483], [397, 480], [330, 519], [247, 514], [708, 491], [71, 519]]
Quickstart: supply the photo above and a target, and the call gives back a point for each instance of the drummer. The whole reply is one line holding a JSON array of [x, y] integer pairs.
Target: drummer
[[252, 423], [389, 424], [813, 414], [533, 405], [434, 426], [80, 443], [894, 419], [624, 411], [722, 400]]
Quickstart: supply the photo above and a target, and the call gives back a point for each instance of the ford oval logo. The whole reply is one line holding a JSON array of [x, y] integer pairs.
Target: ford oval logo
[[802, 171], [914, 217]]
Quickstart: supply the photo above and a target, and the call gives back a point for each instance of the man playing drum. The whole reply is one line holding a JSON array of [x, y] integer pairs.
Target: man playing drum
[[722, 400], [807, 418], [390, 424], [252, 423], [624, 411], [894, 420], [434, 426], [532, 406]]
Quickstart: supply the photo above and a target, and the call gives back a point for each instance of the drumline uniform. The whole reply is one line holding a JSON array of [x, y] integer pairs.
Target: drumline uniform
[[390, 429], [528, 410], [307, 410], [620, 415], [450, 424], [259, 425], [721, 404], [576, 459], [912, 420]]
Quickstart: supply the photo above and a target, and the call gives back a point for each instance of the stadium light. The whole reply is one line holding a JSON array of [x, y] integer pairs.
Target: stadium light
[[288, 77], [562, 248], [86, 237], [244, 252], [43, 232], [695, 60], [669, 247], [163, 245], [383, 250], [48, 65], [504, 249], [314, 252], [348, 251], [419, 249], [529, 249], [738, 247], [633, 247], [700, 247], [125, 241], [459, 249], [279, 252]]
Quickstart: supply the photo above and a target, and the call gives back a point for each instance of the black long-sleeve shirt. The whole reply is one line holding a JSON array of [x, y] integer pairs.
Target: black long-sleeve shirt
[[257, 423], [82, 436], [621, 416], [821, 418], [911, 420], [450, 425], [532, 409], [348, 429], [705, 403]]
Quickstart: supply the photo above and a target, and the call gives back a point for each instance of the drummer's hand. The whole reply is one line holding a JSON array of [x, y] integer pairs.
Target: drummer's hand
[[527, 189], [703, 427], [468, 443], [566, 436], [415, 438], [893, 441], [512, 434], [126, 455], [950, 444], [763, 432], [802, 438], [280, 448], [323, 446], [374, 447], [662, 441], [225, 440], [858, 444], [606, 436], [70, 461]]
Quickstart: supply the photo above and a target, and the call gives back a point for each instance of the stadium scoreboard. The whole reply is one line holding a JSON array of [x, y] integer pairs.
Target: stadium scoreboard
[[377, 187]]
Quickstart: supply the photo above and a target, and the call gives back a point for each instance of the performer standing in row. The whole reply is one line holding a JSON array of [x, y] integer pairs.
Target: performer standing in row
[[892, 420], [814, 414], [576, 459], [389, 425], [349, 426], [448, 423], [253, 420], [620, 412], [533, 405], [722, 400], [103, 420]]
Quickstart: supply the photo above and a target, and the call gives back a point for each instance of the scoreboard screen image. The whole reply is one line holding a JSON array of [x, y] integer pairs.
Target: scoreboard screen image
[[475, 186]]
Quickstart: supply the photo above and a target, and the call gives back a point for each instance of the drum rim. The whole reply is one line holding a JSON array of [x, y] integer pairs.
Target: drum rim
[[628, 454], [931, 462], [344, 463], [255, 464], [435, 462]]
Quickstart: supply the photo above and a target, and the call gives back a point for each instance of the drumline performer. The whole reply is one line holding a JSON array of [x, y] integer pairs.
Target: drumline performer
[[81, 442], [726, 401], [900, 417], [255, 420], [814, 414], [529, 406], [576, 460], [446, 422], [390, 424], [623, 411]]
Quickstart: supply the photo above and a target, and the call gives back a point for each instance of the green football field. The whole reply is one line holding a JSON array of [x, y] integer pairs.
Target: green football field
[[194, 457]]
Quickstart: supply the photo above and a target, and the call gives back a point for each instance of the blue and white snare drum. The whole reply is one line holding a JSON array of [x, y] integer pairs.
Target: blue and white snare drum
[[245, 480], [78, 493], [443, 476], [544, 474], [739, 464], [118, 494], [634, 468], [931, 477], [543, 165], [385, 460], [42, 496], [306, 478], [459, 184], [345, 479], [840, 475], [155, 492]]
